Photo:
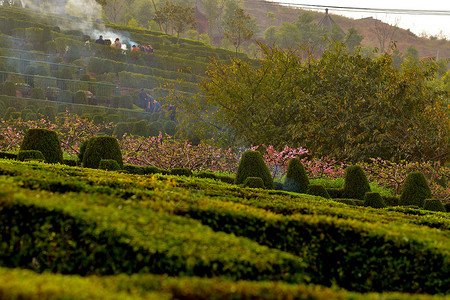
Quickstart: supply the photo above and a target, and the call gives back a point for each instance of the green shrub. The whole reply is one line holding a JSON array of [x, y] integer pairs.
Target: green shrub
[[226, 179], [206, 175], [126, 101], [70, 162], [24, 155], [109, 165], [65, 96], [181, 172], [434, 205], [154, 128], [317, 190], [170, 128], [252, 165], [296, 178], [43, 140], [447, 207], [83, 149], [80, 98], [132, 169], [49, 113], [15, 115], [390, 200], [102, 147], [415, 190], [253, 182], [113, 118], [37, 93], [8, 155], [9, 112], [120, 129], [98, 119], [374, 200], [140, 128], [356, 184], [9, 89]]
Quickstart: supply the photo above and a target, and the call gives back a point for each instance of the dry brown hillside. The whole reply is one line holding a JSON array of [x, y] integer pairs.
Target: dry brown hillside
[[366, 27]]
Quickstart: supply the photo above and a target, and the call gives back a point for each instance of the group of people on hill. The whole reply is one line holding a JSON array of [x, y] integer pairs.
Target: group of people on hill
[[118, 44], [148, 103], [143, 48], [151, 105]]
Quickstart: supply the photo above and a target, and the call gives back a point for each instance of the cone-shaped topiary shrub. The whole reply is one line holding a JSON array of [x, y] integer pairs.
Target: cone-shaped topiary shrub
[[109, 165], [24, 155], [101, 147], [415, 190], [43, 140], [253, 182], [181, 172], [296, 178], [317, 190], [374, 200], [356, 184], [252, 165], [434, 205]]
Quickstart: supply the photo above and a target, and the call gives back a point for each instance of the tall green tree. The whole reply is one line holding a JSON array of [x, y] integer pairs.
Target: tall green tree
[[341, 104], [353, 39], [239, 27]]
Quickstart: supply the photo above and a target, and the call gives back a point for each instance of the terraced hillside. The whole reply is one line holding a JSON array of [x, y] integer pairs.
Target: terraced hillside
[[42, 53], [193, 238]]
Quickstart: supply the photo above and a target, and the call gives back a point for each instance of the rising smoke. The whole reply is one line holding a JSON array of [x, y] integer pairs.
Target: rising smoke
[[87, 14]]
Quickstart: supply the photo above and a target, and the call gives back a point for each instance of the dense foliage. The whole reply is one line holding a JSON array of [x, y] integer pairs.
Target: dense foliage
[[343, 105]]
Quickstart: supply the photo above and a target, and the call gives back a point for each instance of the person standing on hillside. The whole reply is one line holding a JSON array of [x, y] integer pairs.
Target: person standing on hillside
[[156, 106], [100, 40], [117, 44]]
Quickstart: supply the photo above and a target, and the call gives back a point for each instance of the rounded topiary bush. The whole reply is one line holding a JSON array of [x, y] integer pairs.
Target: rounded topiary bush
[[109, 165], [181, 172], [140, 128], [9, 89], [43, 140], [170, 128], [253, 182], [415, 190], [296, 177], [37, 93], [317, 190], [356, 184], [434, 205], [154, 128], [80, 98], [374, 200], [65, 96], [252, 165], [98, 119], [120, 129], [24, 155], [101, 147]]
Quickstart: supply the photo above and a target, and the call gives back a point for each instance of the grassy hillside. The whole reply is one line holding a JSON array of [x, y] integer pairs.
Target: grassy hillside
[[86, 222], [403, 37]]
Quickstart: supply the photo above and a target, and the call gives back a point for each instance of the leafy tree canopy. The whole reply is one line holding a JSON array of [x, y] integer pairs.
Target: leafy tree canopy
[[341, 104]]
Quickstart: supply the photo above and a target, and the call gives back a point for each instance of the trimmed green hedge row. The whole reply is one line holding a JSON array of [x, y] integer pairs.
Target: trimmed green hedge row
[[91, 234], [99, 66], [134, 80], [15, 283]]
